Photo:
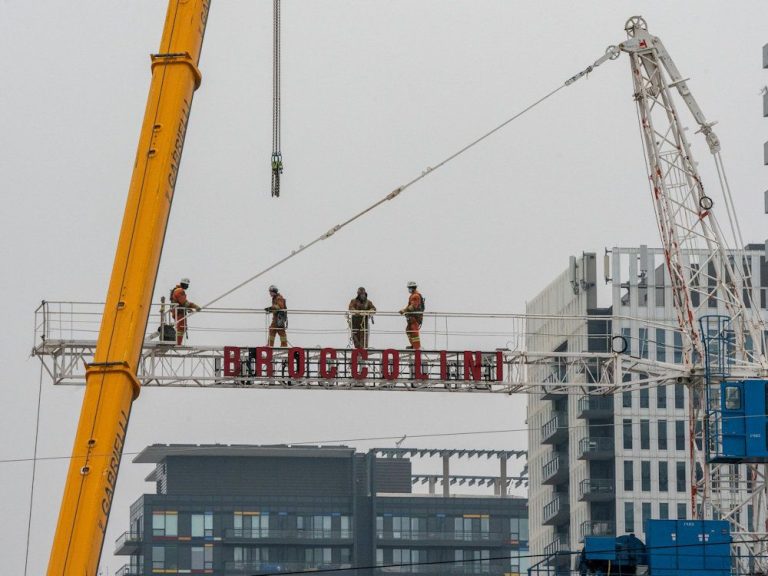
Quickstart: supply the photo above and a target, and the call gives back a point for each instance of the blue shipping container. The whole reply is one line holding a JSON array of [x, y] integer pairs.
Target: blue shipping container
[[688, 547]]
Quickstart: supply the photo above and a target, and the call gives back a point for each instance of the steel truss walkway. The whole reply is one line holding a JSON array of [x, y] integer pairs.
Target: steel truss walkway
[[65, 345]]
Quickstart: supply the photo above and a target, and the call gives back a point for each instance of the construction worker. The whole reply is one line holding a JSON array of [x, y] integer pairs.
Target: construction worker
[[359, 322], [279, 318], [414, 314], [180, 305]]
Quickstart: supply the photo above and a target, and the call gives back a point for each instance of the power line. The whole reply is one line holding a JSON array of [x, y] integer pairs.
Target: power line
[[192, 449], [396, 192], [526, 556]]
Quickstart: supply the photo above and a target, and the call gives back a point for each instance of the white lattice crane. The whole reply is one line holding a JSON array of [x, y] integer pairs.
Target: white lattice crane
[[703, 271]]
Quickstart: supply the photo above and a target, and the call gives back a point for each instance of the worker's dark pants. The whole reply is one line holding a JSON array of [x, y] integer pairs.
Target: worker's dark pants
[[360, 331], [275, 331]]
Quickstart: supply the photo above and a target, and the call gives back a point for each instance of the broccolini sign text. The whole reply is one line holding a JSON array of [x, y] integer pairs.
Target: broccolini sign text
[[361, 364]]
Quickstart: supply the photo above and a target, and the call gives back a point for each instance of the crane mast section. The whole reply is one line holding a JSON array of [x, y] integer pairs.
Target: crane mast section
[[111, 383], [687, 224]]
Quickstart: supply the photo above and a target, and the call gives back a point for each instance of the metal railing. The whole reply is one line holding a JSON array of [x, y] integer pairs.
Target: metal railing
[[555, 506], [129, 570], [558, 422], [554, 465]]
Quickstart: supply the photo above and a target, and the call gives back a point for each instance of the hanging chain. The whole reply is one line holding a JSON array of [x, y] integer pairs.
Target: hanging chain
[[277, 157]]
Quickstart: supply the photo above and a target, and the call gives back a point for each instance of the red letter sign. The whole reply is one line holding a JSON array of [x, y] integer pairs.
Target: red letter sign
[[264, 360], [386, 356], [499, 366], [297, 362], [473, 366], [357, 355], [326, 353], [418, 374], [231, 361]]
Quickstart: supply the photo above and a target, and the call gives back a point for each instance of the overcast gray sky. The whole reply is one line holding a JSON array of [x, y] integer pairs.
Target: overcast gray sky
[[373, 92]]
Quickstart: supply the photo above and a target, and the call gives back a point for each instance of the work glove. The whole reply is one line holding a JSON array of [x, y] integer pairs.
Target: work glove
[[198, 308], [402, 311], [267, 309]]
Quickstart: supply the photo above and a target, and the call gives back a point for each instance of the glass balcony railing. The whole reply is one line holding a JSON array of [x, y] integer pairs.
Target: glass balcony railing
[[443, 536], [252, 568], [598, 528], [594, 489], [596, 448], [295, 534], [127, 543], [593, 406]]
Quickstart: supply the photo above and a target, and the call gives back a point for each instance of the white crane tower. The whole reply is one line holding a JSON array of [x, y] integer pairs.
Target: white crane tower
[[696, 248]]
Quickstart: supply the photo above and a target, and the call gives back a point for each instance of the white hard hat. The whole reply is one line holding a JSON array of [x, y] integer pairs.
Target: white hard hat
[[411, 284], [184, 281], [273, 288]]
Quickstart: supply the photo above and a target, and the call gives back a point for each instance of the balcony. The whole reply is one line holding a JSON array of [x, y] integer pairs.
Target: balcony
[[597, 490], [595, 407], [130, 571], [555, 470], [556, 429], [425, 538], [557, 511], [559, 551], [597, 528], [236, 535], [128, 543], [253, 568], [596, 448]]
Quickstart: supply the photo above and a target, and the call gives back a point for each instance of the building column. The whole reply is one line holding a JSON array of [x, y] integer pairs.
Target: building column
[[503, 475], [446, 474]]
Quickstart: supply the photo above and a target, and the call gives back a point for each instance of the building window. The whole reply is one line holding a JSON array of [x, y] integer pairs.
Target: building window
[[627, 430], [629, 478], [626, 333], [202, 525], [663, 476], [645, 475], [202, 557], [518, 529], [158, 557], [626, 395], [251, 525], [645, 435], [346, 527], [661, 345], [679, 396], [661, 427], [315, 557], [379, 556], [681, 511], [661, 396], [680, 476], [165, 523], [644, 398], [679, 435], [472, 527], [646, 513], [629, 517], [678, 348], [165, 558], [643, 342], [663, 510]]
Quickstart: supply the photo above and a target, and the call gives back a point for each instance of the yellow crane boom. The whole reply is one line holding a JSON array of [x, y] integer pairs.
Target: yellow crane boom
[[111, 384]]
